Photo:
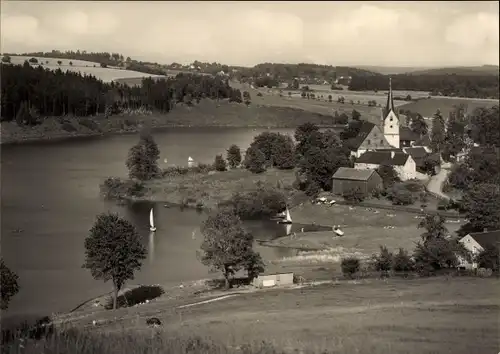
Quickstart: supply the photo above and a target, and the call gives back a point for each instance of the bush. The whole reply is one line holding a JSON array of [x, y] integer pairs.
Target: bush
[[234, 156], [220, 163], [89, 123], [399, 195], [350, 266], [443, 204], [116, 188], [136, 296], [434, 255], [383, 262], [402, 262], [68, 127], [354, 195], [184, 170], [312, 188], [263, 202], [489, 258], [255, 160]]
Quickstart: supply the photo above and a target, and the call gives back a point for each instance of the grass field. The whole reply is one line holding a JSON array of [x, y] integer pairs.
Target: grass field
[[85, 67], [456, 315], [427, 108]]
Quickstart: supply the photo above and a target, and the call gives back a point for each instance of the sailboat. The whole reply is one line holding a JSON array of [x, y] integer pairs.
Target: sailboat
[[151, 221], [288, 219]]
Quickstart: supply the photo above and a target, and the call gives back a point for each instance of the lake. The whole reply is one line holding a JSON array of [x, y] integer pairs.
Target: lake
[[50, 197]]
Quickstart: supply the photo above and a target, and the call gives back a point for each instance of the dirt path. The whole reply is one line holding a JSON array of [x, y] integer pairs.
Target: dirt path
[[435, 184]]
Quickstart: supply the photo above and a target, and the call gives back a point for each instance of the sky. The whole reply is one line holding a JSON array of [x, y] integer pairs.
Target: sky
[[422, 34]]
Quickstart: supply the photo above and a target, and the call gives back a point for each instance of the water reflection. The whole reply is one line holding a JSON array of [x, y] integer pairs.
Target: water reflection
[[151, 247]]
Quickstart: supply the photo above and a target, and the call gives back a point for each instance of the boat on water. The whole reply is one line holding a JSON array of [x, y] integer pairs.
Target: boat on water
[[190, 159], [338, 231], [151, 221], [288, 218]]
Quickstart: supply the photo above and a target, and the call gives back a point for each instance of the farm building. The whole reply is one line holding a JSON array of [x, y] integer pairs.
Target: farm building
[[346, 179], [269, 280], [420, 155], [476, 243], [403, 163]]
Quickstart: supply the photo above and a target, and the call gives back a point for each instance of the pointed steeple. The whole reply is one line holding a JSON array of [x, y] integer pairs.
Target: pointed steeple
[[390, 101]]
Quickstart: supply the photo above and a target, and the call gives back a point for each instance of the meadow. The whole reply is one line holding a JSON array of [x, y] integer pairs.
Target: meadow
[[427, 108], [85, 67], [425, 315]]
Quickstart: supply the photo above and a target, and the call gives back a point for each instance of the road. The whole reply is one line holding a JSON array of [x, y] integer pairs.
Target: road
[[435, 184]]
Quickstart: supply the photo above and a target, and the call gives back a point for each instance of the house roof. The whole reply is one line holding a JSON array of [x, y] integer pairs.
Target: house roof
[[407, 134], [353, 174], [487, 238], [382, 157], [416, 152], [423, 141], [365, 129]]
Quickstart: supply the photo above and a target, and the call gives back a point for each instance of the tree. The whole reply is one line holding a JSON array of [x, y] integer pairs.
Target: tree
[[436, 254], [220, 163], [482, 205], [113, 251], [142, 162], [489, 258], [434, 228], [10, 287], [284, 154], [437, 132], [59, 62], [356, 115], [350, 266], [234, 156], [71, 63], [329, 98], [255, 160], [383, 261], [354, 195], [418, 125], [33, 60], [227, 246], [486, 126], [402, 262], [388, 174], [6, 59], [246, 97], [454, 139]]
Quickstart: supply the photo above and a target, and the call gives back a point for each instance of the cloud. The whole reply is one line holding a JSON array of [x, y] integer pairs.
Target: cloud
[[244, 33]]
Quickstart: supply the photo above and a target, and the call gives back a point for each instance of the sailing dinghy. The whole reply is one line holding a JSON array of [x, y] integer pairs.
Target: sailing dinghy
[[151, 221], [288, 218], [338, 231]]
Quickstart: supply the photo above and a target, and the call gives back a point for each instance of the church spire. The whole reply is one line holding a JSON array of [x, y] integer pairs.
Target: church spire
[[390, 101]]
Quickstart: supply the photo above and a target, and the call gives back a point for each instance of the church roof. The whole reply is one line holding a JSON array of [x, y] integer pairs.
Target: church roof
[[380, 157], [407, 134], [389, 106], [364, 130]]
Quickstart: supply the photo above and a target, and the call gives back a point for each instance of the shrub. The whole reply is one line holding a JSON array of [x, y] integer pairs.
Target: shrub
[[89, 123], [383, 262], [312, 188], [435, 254], [443, 204], [66, 126], [10, 286], [234, 156], [388, 174], [255, 160], [136, 296], [116, 188], [402, 262], [263, 202], [400, 195], [354, 195], [489, 258], [220, 163], [350, 266]]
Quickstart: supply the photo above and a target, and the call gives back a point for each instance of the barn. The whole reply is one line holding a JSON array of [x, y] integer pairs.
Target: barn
[[269, 280], [346, 179]]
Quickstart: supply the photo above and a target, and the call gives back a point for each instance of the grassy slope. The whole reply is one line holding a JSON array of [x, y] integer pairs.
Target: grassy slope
[[436, 315], [427, 108]]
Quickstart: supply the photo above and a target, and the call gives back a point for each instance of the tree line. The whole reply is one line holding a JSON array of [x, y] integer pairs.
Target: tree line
[[474, 86], [29, 93]]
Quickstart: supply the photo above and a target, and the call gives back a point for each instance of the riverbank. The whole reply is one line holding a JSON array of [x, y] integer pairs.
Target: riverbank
[[207, 113]]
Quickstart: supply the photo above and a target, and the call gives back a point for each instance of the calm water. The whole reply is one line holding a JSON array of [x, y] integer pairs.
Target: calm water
[[51, 193]]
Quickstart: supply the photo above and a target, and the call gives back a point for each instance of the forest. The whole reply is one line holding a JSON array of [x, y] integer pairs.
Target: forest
[[55, 93], [473, 86]]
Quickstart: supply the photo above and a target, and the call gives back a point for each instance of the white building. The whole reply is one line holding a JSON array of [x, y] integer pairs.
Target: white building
[[475, 243]]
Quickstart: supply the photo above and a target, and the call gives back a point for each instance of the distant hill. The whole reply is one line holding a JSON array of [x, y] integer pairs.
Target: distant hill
[[460, 70], [391, 70]]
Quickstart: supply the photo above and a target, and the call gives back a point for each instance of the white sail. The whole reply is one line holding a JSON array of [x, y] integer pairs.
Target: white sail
[[288, 218], [190, 159], [151, 220]]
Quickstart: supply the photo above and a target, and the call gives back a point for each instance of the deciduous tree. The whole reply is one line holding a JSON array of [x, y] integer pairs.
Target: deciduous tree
[[234, 156], [437, 132], [142, 161], [482, 205], [9, 286], [113, 251]]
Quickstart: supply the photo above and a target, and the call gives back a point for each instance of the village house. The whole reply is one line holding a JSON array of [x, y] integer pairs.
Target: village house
[[370, 137], [270, 280], [347, 179], [420, 155], [408, 137], [403, 163], [475, 243]]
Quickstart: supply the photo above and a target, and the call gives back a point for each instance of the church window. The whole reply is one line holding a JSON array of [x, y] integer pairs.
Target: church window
[[369, 141], [390, 119], [381, 141], [391, 127]]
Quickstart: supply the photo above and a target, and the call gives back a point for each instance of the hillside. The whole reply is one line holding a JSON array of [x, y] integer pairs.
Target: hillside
[[392, 70], [461, 71]]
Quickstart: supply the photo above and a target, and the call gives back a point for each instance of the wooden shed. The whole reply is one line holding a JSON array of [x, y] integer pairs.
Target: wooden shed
[[269, 280], [346, 179]]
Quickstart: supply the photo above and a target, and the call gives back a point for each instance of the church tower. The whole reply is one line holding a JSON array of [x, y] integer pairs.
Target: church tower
[[390, 120]]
